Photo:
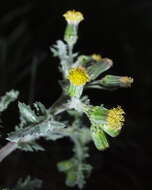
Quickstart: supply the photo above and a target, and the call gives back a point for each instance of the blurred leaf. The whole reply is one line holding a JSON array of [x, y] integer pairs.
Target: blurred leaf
[[7, 99], [28, 184]]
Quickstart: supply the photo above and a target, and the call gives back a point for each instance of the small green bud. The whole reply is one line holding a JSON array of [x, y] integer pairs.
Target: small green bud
[[116, 81], [99, 138], [73, 19]]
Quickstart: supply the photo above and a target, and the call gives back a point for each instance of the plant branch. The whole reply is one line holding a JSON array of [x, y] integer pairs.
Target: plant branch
[[7, 149], [57, 108]]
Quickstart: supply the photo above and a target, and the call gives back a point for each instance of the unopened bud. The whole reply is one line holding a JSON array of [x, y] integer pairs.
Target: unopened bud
[[99, 138], [116, 81], [73, 19]]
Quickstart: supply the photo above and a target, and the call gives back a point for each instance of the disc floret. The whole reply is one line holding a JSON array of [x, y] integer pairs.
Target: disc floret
[[73, 17], [78, 76], [115, 118], [127, 81]]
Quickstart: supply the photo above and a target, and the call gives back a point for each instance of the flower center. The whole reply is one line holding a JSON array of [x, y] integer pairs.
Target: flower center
[[115, 117], [78, 76], [73, 17], [126, 80]]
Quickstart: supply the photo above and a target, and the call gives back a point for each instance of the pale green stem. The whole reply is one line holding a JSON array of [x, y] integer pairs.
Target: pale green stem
[[70, 47]]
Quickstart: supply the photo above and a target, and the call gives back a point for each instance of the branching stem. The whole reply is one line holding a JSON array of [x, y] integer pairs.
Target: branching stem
[[57, 108]]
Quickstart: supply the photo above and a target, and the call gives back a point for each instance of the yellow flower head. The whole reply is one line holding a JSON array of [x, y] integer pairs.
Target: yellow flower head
[[115, 117], [127, 80], [73, 17], [96, 57], [78, 76]]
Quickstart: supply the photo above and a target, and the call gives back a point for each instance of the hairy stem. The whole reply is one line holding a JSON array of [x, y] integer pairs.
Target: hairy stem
[[60, 105], [57, 108], [70, 54], [7, 149]]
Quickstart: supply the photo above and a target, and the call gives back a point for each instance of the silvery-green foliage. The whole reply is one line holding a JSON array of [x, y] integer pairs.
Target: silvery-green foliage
[[27, 115], [34, 131], [30, 146], [26, 184], [7, 99], [76, 168], [33, 125], [60, 50]]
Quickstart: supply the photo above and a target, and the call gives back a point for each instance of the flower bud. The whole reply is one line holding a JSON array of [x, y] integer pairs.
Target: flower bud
[[116, 81], [100, 66], [99, 138], [71, 35], [109, 120], [73, 19]]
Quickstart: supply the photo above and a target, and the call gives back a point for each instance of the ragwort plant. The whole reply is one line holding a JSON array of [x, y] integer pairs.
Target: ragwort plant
[[79, 72]]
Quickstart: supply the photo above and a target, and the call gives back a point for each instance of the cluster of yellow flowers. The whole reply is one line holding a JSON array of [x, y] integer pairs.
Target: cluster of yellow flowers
[[103, 120]]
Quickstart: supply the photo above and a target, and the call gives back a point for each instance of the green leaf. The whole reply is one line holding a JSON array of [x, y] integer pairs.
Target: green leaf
[[7, 99], [71, 178], [27, 114], [31, 146], [59, 49], [32, 132], [40, 108], [28, 184]]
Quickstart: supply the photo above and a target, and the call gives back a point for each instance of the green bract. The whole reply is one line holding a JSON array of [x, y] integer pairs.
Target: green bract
[[99, 138]]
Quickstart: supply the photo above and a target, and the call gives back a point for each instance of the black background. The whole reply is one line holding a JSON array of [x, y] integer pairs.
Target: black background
[[120, 30]]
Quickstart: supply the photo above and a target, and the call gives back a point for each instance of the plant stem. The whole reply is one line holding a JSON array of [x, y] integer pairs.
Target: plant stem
[[57, 108], [60, 105], [70, 47], [7, 149]]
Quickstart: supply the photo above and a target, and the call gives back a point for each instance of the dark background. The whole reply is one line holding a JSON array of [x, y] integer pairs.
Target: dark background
[[120, 30]]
